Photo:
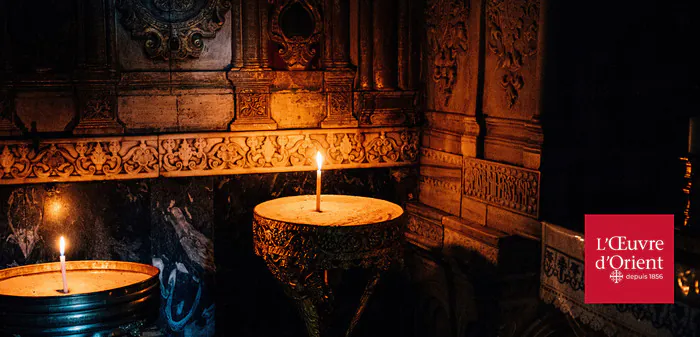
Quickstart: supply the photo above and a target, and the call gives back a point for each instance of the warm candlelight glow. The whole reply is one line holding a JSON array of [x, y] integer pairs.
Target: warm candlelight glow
[[62, 245], [319, 159], [55, 207]]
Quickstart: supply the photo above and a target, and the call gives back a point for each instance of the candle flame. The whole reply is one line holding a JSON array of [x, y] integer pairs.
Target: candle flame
[[319, 159], [62, 245]]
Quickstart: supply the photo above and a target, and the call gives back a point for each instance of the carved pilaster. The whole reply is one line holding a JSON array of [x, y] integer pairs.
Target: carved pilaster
[[403, 44], [386, 107], [237, 24], [251, 34], [98, 112], [384, 45], [252, 100], [336, 25], [338, 87], [365, 45]]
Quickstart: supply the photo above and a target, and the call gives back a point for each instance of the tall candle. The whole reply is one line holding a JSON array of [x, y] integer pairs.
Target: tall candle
[[319, 162], [62, 248]]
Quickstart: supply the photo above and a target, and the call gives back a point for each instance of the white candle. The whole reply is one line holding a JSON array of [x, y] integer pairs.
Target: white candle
[[319, 162], [62, 248]]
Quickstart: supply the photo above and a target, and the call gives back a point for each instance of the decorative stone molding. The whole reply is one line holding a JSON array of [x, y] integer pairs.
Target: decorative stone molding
[[441, 157], [297, 50], [512, 36], [514, 188], [173, 29], [447, 39], [441, 184], [173, 155], [424, 228]]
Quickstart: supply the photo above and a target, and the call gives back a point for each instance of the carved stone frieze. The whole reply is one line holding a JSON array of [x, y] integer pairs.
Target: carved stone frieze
[[173, 29], [201, 154], [79, 160], [183, 155], [512, 36], [297, 49], [511, 187], [424, 232], [447, 39], [441, 184], [448, 159]]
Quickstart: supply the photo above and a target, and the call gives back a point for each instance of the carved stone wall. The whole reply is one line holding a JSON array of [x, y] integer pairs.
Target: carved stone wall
[[162, 66], [483, 133]]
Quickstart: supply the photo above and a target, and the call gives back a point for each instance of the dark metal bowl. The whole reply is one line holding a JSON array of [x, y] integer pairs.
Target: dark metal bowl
[[110, 312]]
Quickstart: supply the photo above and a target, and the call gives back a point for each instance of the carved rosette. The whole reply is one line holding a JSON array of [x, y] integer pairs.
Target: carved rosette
[[173, 29], [447, 39], [297, 51], [512, 37], [252, 105], [511, 187]]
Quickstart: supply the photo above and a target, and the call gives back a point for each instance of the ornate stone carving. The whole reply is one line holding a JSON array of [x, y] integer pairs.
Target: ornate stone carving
[[297, 49], [447, 39], [511, 187], [112, 158], [512, 37], [441, 184], [564, 268], [423, 232], [136, 157], [173, 29], [252, 105]]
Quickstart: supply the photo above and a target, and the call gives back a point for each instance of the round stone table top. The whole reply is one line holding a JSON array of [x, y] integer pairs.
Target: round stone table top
[[336, 210]]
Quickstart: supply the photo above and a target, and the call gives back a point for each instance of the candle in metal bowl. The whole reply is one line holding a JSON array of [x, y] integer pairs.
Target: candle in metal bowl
[[104, 297]]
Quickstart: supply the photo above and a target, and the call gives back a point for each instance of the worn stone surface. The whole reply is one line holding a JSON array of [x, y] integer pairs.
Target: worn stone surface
[[293, 110], [50, 111], [204, 112], [148, 112]]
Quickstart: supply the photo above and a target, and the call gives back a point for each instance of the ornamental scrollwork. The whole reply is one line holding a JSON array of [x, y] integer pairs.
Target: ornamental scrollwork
[[134, 157], [512, 37], [173, 29], [297, 49], [447, 39]]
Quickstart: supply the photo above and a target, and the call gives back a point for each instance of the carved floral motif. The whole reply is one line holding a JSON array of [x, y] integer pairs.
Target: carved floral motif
[[447, 39], [82, 160], [512, 37], [252, 105], [204, 154], [507, 186], [173, 29]]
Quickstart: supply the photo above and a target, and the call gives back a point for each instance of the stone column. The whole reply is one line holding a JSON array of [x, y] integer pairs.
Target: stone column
[[336, 26], [237, 34], [366, 44], [251, 34], [384, 45]]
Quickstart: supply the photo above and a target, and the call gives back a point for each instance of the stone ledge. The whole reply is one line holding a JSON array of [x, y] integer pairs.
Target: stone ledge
[[202, 154]]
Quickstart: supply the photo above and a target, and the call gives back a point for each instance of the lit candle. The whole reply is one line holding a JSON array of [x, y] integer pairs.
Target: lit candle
[[62, 248], [319, 162]]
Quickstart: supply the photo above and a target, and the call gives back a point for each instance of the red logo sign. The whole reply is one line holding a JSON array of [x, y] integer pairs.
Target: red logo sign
[[629, 259]]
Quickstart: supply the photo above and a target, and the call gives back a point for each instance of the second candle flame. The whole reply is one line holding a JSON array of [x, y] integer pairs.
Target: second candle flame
[[62, 245]]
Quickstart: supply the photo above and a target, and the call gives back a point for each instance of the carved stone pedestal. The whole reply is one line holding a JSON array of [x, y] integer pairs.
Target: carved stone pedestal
[[309, 251]]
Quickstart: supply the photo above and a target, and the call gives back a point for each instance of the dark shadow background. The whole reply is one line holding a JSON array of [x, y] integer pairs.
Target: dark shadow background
[[620, 84]]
